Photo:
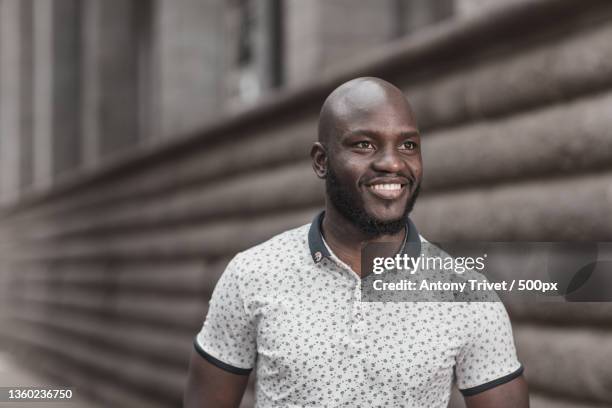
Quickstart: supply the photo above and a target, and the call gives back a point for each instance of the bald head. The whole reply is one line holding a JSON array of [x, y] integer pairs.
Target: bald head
[[360, 100]]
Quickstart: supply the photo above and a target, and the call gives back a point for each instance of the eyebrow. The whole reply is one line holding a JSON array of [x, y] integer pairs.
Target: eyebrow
[[373, 133]]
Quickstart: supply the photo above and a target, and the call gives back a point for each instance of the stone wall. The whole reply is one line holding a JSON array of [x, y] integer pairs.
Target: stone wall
[[105, 277]]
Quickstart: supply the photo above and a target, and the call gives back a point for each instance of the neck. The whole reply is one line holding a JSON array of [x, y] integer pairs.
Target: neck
[[346, 240]]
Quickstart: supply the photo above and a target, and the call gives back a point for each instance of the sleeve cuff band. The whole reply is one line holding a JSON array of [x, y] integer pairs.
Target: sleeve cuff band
[[468, 392], [224, 366]]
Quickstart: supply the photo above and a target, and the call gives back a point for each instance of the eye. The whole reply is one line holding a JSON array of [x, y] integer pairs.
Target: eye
[[364, 145], [409, 145]]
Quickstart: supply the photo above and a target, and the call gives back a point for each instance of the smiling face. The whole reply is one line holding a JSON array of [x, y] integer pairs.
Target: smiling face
[[369, 154]]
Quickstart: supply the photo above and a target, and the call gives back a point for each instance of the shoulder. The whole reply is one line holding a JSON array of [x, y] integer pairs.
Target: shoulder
[[260, 270], [282, 249], [286, 243]]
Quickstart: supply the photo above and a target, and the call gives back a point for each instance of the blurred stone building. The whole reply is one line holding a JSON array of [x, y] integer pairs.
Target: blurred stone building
[[85, 79], [144, 142]]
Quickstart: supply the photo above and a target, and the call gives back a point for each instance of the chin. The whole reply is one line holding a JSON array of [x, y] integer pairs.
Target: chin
[[387, 220], [387, 215]]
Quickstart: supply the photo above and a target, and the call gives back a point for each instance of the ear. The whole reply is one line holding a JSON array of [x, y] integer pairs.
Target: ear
[[319, 159]]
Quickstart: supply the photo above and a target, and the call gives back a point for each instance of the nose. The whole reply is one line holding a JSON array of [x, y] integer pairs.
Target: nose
[[387, 160]]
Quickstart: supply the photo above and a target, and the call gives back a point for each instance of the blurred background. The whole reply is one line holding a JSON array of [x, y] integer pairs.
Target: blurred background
[[144, 142]]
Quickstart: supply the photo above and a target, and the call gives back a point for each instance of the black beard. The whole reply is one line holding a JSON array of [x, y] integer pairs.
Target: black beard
[[349, 205]]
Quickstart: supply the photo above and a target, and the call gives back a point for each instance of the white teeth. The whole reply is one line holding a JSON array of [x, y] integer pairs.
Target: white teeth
[[387, 186]]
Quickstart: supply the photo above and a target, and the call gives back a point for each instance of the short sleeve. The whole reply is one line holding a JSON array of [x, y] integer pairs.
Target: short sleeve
[[227, 338], [488, 357]]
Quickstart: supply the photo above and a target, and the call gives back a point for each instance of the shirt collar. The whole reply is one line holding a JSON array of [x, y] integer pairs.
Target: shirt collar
[[318, 249]]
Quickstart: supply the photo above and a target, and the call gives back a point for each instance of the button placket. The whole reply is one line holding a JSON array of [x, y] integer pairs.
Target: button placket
[[356, 317]]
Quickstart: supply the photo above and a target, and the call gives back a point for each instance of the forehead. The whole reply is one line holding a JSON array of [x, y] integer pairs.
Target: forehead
[[374, 108]]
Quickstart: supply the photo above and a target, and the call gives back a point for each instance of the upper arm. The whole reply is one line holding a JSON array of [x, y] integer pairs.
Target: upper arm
[[211, 386], [487, 361], [512, 394], [228, 336], [225, 349]]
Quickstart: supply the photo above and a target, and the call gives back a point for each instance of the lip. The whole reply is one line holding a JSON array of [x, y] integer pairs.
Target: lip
[[390, 193]]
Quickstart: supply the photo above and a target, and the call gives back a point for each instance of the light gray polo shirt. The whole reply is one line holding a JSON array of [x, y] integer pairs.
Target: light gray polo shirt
[[291, 310]]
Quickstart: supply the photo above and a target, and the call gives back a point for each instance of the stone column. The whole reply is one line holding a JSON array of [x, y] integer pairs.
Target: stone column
[[27, 95], [40, 91], [110, 77], [42, 126], [323, 33], [10, 100], [190, 56], [90, 126], [66, 85]]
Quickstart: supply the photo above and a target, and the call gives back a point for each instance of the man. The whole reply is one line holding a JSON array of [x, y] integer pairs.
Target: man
[[291, 307]]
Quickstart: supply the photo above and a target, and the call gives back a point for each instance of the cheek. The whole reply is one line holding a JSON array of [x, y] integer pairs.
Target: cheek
[[350, 171], [416, 167]]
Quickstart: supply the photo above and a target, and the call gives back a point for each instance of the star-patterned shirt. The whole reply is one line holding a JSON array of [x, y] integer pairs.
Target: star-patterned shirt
[[291, 310]]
